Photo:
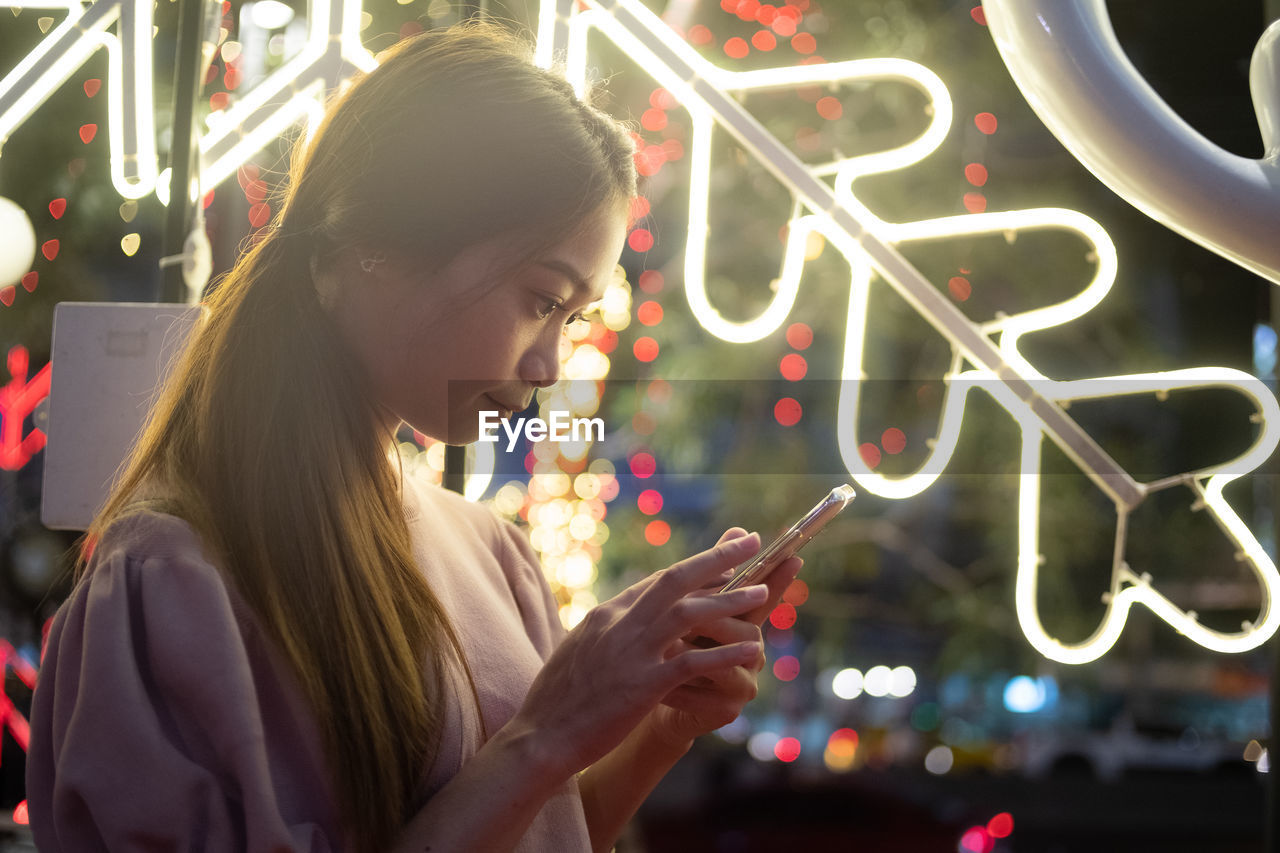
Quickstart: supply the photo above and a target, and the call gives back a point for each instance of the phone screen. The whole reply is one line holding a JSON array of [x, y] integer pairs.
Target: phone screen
[[792, 540]]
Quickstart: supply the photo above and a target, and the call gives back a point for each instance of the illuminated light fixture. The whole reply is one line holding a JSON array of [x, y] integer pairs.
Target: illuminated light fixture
[[270, 14], [332, 53], [130, 101], [18, 400], [1066, 60], [979, 360]]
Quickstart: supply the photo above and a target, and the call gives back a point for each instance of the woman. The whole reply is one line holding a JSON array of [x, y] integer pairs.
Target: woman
[[277, 644]]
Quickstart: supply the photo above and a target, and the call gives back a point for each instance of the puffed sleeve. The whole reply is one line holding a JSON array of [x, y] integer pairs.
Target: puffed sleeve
[[537, 605], [146, 730]]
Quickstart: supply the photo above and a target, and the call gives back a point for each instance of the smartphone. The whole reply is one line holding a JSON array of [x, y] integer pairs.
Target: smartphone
[[796, 537]]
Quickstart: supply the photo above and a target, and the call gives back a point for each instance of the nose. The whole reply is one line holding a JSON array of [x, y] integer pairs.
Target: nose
[[540, 364]]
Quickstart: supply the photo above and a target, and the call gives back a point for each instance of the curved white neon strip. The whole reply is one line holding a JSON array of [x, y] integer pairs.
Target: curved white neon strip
[[1030, 397], [130, 102], [1074, 74]]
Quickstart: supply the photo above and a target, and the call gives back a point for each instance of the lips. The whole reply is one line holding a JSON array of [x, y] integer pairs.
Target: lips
[[503, 409], [518, 407]]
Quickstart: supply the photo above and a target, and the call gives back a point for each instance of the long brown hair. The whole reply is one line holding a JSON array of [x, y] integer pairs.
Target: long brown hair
[[265, 438]]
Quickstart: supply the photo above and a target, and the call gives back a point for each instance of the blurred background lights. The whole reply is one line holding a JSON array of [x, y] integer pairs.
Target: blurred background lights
[[760, 745], [902, 681], [847, 684], [976, 839], [841, 750], [878, 681], [938, 760], [786, 668], [18, 248], [787, 749], [1026, 695], [1000, 826]]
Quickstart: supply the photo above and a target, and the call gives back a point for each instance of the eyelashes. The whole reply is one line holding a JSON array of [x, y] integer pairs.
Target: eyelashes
[[548, 306]]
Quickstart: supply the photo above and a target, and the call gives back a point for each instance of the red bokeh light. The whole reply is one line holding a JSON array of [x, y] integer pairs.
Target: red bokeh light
[[89, 131], [649, 313], [649, 501], [653, 119], [639, 209], [787, 749], [651, 281], [979, 14], [793, 367], [985, 122], [640, 240], [784, 25], [975, 202], [894, 441], [783, 616], [787, 411], [657, 532], [764, 40], [643, 465], [1000, 826], [797, 593], [20, 815], [804, 43], [799, 336], [259, 215], [736, 48], [786, 668], [977, 840], [57, 207], [698, 34], [830, 108], [49, 249], [960, 287], [659, 391], [661, 99], [645, 349], [870, 454], [976, 174]]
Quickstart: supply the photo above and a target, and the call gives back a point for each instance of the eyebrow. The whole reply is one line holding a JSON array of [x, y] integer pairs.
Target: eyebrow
[[580, 282]]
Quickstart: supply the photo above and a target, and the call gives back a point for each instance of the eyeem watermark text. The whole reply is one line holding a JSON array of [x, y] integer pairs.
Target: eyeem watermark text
[[560, 428]]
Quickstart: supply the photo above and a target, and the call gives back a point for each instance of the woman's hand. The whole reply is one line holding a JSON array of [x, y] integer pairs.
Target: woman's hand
[[704, 704], [615, 667]]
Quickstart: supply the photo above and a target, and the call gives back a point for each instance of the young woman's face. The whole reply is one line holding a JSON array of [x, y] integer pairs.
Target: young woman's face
[[442, 348]]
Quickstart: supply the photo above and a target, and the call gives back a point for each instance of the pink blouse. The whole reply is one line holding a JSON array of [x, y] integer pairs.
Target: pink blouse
[[165, 719]]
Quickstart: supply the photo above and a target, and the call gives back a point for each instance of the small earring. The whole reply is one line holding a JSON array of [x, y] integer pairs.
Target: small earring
[[368, 263]]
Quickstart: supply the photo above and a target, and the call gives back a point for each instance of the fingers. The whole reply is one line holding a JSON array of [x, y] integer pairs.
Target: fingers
[[632, 593], [693, 574], [777, 582], [726, 698], [726, 631], [693, 663], [695, 611]]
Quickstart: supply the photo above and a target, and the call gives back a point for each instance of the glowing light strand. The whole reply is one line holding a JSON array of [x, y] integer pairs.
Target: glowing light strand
[[18, 399], [332, 53], [1034, 401], [130, 101]]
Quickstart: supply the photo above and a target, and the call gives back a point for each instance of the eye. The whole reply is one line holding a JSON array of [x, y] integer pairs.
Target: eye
[[547, 307]]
